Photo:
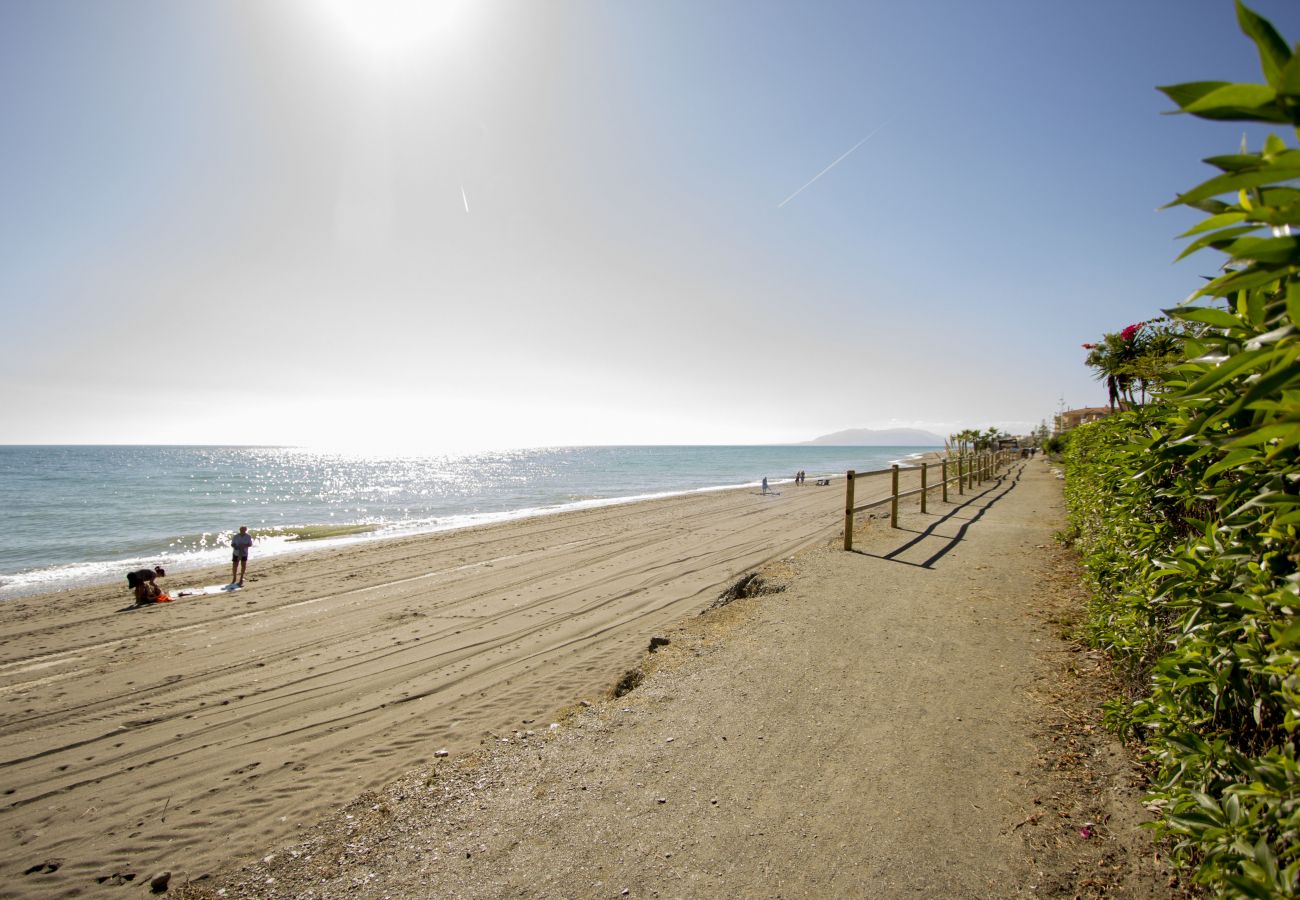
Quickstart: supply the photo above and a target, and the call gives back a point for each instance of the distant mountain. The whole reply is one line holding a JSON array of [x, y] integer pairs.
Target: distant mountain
[[884, 437]]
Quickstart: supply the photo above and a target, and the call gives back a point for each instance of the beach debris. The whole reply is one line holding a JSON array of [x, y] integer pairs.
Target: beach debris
[[661, 799], [158, 884], [586, 703], [443, 752], [630, 681], [1087, 831], [750, 585], [657, 642]]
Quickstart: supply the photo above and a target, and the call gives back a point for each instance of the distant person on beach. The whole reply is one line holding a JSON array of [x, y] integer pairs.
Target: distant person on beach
[[239, 545], [764, 484]]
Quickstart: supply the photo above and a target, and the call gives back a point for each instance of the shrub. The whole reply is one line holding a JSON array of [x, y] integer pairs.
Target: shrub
[[1186, 513]]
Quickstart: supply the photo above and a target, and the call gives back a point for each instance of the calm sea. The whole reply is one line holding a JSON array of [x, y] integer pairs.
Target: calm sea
[[76, 515]]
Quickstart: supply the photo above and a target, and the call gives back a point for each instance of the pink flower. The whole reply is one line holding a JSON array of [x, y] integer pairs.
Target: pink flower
[[1130, 332], [1089, 346], [1085, 831]]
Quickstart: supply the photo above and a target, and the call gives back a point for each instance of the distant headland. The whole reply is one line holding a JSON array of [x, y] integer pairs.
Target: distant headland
[[884, 437]]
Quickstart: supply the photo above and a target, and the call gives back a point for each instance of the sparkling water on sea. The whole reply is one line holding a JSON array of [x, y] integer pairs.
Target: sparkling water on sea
[[75, 515]]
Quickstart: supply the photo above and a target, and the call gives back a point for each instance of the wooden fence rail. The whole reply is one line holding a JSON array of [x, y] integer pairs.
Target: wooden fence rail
[[972, 469]]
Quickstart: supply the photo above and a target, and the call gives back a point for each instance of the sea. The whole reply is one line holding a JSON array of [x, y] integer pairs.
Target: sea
[[72, 515]]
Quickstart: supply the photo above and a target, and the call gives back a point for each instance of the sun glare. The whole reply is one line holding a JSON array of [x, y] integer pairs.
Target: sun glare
[[390, 30]]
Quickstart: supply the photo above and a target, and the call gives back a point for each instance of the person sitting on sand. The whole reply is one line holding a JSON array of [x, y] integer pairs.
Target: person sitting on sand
[[149, 592]]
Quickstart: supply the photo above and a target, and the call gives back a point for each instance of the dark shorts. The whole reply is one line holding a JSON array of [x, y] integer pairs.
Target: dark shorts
[[239, 557]]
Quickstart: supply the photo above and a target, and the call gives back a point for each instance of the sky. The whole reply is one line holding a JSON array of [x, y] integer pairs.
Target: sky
[[458, 224]]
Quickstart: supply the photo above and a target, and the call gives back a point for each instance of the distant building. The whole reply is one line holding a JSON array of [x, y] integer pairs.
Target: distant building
[[1073, 418]]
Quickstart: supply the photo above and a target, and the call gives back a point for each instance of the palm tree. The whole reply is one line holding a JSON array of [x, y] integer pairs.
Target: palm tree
[[1137, 357]]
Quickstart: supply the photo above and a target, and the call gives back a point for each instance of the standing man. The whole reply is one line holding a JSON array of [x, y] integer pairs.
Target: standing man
[[239, 545]]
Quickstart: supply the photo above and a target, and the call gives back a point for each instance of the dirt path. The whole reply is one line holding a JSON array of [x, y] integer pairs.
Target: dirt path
[[896, 722], [180, 736]]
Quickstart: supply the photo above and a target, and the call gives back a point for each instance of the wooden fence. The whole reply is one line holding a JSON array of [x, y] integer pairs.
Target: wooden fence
[[967, 472]]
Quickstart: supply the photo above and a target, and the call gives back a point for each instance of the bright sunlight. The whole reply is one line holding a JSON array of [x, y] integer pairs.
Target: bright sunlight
[[389, 31]]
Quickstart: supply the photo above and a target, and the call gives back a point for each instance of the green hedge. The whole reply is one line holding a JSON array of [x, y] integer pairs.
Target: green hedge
[[1186, 514]]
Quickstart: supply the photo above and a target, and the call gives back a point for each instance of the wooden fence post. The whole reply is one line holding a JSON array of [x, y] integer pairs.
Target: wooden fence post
[[944, 474], [924, 467], [893, 504], [848, 512], [961, 475]]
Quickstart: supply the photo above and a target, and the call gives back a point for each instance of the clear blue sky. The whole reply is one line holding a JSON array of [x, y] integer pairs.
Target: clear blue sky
[[479, 223]]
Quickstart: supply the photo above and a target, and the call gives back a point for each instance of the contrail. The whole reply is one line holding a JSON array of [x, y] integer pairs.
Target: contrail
[[466, 199], [832, 165]]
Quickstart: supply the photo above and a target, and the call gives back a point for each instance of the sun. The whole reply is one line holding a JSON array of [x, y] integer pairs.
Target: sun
[[391, 30]]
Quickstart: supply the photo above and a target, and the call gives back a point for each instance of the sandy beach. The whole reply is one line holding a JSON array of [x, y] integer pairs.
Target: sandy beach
[[186, 735], [434, 716]]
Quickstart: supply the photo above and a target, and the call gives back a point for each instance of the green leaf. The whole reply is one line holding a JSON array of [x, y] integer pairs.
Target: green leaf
[[1255, 307], [1288, 637], [1213, 207], [1249, 887], [1264, 856], [1236, 162], [1240, 280], [1217, 238], [1266, 112], [1276, 250], [1216, 318], [1293, 302], [1235, 365], [1290, 80], [1192, 91], [1286, 158], [1231, 461], [1214, 222], [1239, 96], [1273, 51], [1236, 181], [1289, 433], [1281, 378]]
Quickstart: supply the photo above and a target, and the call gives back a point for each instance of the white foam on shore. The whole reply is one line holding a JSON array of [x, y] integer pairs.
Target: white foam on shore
[[92, 574]]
